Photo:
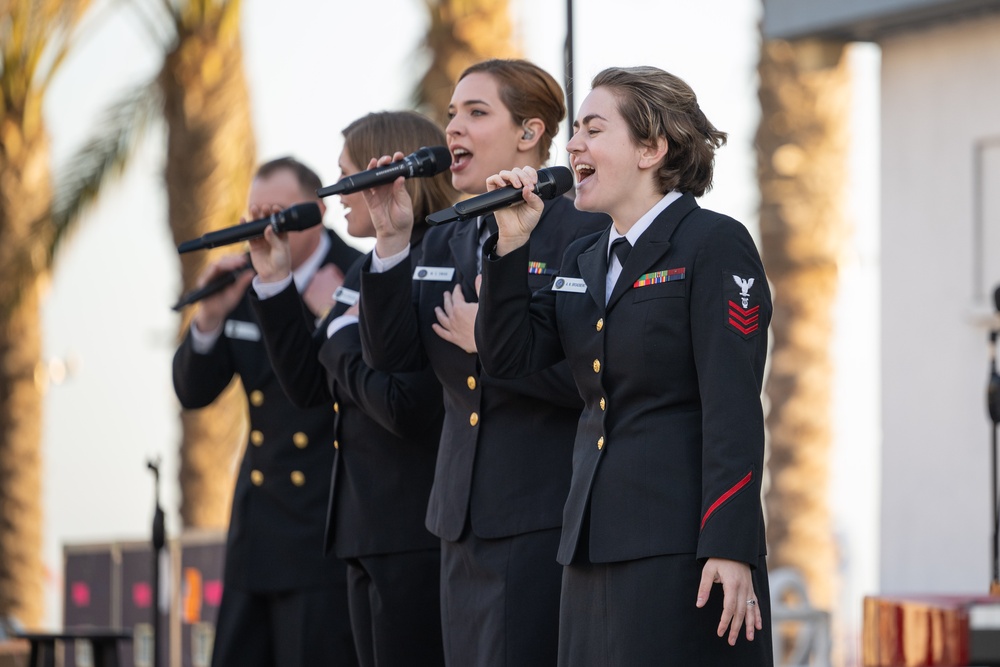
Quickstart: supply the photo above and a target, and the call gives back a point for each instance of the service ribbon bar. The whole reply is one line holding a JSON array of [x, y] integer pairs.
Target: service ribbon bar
[[539, 267], [660, 277]]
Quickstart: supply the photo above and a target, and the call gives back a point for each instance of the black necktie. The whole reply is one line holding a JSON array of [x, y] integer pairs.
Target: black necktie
[[489, 223], [620, 247]]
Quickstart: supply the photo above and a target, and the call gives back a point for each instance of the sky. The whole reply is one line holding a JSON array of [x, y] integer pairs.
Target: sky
[[313, 67]]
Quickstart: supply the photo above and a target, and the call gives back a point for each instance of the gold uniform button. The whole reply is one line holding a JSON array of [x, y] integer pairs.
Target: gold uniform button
[[604, 404], [257, 477], [257, 438], [600, 442], [472, 383], [597, 365], [336, 445], [600, 324], [300, 439], [474, 418], [336, 407], [256, 398], [298, 479]]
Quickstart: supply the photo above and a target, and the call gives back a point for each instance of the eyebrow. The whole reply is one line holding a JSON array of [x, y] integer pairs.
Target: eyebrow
[[587, 119], [469, 103]]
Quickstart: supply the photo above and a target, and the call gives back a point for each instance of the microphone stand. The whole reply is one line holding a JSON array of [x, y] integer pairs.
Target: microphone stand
[[159, 539]]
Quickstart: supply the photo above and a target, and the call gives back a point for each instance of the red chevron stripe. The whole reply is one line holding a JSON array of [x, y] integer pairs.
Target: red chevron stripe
[[743, 320], [726, 496], [744, 330], [751, 311]]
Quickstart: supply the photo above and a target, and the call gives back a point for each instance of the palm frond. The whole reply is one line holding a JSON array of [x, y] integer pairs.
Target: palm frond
[[103, 157]]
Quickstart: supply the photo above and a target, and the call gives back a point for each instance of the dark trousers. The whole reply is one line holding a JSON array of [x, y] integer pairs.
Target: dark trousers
[[642, 613], [300, 628], [396, 609], [500, 600]]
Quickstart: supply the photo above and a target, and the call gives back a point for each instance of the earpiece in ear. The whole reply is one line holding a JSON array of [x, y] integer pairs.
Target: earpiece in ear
[[528, 134]]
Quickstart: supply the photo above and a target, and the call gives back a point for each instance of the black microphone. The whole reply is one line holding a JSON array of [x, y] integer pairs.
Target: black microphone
[[214, 286], [292, 219], [552, 182], [421, 162]]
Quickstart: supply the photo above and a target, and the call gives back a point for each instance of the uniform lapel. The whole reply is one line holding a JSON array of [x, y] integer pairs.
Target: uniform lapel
[[464, 245], [651, 246], [593, 265]]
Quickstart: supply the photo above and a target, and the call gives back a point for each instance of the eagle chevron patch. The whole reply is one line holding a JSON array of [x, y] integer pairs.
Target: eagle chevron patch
[[742, 304]]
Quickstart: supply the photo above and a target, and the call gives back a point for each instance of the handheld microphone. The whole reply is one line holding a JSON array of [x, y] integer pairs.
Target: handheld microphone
[[292, 219], [552, 182], [219, 283], [421, 162]]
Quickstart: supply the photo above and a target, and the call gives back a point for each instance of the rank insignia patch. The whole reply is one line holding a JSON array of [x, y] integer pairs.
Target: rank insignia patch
[[742, 305], [660, 277]]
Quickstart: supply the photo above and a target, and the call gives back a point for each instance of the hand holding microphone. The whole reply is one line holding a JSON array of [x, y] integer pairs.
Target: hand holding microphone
[[391, 209]]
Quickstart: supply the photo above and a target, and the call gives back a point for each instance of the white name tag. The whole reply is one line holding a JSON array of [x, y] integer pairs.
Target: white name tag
[[439, 273], [569, 285], [346, 296], [242, 330]]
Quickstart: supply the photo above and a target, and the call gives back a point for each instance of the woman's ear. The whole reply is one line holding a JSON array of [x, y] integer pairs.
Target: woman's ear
[[532, 130], [652, 155]]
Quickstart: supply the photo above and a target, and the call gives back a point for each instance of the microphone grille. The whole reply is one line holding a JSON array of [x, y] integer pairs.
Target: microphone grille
[[433, 160], [996, 298], [302, 216], [558, 182]]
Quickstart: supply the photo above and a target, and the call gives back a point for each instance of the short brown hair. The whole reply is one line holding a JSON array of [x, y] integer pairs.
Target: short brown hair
[[384, 133], [527, 91], [658, 104], [307, 178]]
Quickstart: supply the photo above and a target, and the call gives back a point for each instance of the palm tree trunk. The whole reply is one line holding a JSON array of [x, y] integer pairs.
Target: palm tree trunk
[[25, 191], [802, 145], [210, 161], [461, 33]]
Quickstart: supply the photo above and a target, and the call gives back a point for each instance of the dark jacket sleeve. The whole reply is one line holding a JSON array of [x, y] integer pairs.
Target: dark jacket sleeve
[[405, 404], [200, 378], [516, 333], [390, 330], [292, 347]]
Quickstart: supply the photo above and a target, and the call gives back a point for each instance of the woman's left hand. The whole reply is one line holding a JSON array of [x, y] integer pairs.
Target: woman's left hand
[[739, 601], [456, 319]]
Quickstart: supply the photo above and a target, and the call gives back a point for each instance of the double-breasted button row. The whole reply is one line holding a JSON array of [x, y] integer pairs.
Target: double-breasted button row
[[600, 442], [298, 477], [600, 324], [471, 381], [336, 406], [474, 418], [597, 365], [256, 438], [256, 398], [300, 440]]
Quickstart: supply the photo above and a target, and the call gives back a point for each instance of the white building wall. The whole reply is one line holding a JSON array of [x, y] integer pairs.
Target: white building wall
[[940, 95]]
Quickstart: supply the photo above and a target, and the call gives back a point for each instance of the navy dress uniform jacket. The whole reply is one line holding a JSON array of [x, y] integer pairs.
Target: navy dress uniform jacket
[[669, 449], [508, 474], [387, 426], [275, 540]]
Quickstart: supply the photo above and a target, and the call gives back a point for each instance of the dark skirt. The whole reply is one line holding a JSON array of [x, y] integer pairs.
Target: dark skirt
[[500, 600], [642, 613]]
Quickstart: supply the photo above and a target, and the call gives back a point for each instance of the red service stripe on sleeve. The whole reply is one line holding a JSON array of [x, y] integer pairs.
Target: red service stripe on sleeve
[[744, 330], [743, 310], [745, 321], [726, 496]]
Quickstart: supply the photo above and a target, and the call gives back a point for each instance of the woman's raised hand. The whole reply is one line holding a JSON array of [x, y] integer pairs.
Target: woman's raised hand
[[391, 211], [516, 222]]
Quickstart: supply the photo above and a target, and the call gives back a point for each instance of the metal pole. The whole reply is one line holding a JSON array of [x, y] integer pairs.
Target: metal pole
[[159, 539], [568, 70]]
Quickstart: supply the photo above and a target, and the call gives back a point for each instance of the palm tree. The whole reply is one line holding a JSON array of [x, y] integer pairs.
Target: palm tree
[[35, 36], [455, 39], [802, 147], [201, 95]]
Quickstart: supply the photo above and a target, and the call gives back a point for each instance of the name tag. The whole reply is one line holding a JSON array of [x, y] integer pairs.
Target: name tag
[[346, 296], [438, 273], [569, 285], [242, 330]]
